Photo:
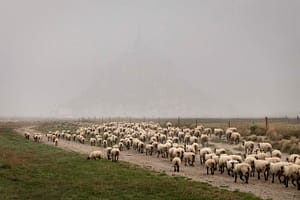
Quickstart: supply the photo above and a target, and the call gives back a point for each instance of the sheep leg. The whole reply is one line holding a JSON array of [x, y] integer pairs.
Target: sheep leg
[[212, 170], [258, 175], [207, 170], [241, 176], [293, 182], [247, 178], [273, 176], [235, 177]]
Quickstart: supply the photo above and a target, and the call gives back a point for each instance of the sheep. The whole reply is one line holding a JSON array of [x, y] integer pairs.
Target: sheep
[[37, 137], [262, 166], [235, 137], [250, 160], [229, 131], [273, 160], [94, 155], [265, 147], [291, 171], [202, 153], [249, 146], [176, 163], [49, 135], [276, 153], [56, 141], [276, 169], [108, 153], [230, 164], [93, 141], [204, 140], [27, 135], [219, 132], [223, 162], [149, 149], [141, 146], [210, 164], [189, 157], [115, 152], [121, 146], [237, 158], [104, 143], [242, 169], [261, 156], [220, 151], [162, 149], [297, 161], [293, 157]]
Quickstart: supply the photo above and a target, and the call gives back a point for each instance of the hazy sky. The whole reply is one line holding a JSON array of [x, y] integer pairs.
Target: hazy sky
[[227, 58]]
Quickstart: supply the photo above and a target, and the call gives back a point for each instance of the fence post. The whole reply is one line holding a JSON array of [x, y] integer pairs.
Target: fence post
[[298, 119], [229, 124], [178, 122], [196, 122], [267, 123]]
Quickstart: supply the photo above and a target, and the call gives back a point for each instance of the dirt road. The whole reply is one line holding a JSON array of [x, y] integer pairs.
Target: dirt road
[[261, 188]]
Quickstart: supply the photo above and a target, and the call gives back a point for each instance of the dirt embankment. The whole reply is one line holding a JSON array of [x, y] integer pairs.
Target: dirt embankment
[[261, 188]]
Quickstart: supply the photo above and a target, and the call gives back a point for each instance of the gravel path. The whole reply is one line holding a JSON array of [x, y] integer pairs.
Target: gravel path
[[261, 188]]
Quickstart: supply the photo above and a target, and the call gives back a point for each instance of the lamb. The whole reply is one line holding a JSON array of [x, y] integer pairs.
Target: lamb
[[204, 140], [37, 137], [210, 164], [262, 166], [94, 155], [265, 147], [242, 169], [189, 157], [249, 146], [115, 152], [276, 153], [176, 163]]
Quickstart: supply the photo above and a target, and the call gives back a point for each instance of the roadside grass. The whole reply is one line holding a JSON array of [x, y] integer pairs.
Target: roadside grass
[[30, 170]]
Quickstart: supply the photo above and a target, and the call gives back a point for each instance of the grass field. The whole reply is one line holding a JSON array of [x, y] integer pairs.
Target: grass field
[[30, 170]]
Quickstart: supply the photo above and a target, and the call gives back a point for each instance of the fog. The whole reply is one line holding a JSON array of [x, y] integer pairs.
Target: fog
[[164, 58]]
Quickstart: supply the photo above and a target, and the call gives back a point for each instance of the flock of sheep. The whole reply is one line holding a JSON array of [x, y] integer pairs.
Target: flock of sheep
[[183, 145]]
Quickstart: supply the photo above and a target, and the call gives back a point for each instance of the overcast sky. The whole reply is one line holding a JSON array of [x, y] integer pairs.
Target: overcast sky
[[227, 58]]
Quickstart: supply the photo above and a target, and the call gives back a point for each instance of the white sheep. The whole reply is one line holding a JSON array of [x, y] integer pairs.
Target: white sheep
[[243, 170], [250, 160], [230, 164], [176, 163], [211, 165], [261, 156], [273, 160], [93, 141], [149, 149], [189, 157], [204, 140], [291, 172], [293, 157], [276, 169], [219, 132], [276, 153], [108, 153], [202, 153], [27, 135], [56, 141], [223, 162], [235, 137], [220, 151], [262, 166], [265, 147], [249, 146], [115, 153], [95, 155]]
